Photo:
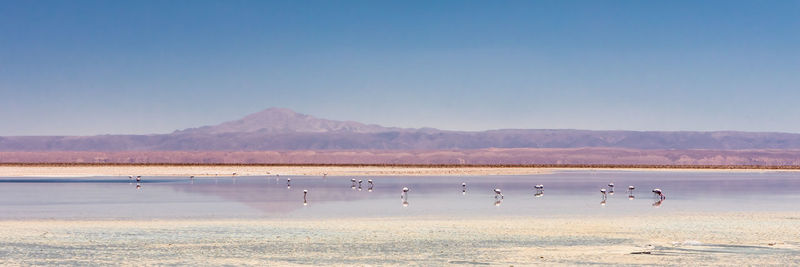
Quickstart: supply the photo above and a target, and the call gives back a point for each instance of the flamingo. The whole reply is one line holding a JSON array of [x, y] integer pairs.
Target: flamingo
[[630, 188], [659, 193], [305, 193], [539, 187], [603, 191], [404, 196], [498, 193]]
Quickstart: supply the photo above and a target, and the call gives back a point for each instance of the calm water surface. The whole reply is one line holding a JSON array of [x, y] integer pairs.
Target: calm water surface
[[566, 193]]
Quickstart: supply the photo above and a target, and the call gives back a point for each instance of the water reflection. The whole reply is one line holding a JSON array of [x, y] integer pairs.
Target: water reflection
[[658, 203], [568, 193]]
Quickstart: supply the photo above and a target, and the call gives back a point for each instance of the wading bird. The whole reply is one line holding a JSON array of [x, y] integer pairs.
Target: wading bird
[[659, 194], [603, 191], [463, 188], [404, 196], [498, 193], [305, 193]]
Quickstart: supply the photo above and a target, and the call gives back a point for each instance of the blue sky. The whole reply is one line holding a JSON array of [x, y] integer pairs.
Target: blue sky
[[98, 67]]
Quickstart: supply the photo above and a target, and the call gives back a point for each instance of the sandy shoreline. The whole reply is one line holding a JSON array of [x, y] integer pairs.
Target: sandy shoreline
[[245, 170]]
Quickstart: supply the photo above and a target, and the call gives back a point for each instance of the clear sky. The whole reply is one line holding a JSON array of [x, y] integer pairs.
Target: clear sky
[[98, 67]]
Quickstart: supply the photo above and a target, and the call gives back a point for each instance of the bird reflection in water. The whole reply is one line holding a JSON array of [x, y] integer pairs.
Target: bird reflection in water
[[498, 202], [658, 203], [603, 202], [539, 190], [138, 186]]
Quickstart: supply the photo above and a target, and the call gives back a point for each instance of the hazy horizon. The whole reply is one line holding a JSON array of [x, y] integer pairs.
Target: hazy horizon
[[150, 67], [393, 126]]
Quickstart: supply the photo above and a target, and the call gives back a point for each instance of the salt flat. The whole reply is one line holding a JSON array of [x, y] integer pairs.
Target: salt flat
[[708, 218], [688, 239]]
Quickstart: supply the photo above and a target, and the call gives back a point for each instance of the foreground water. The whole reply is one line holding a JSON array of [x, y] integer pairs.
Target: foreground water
[[565, 193], [707, 218]]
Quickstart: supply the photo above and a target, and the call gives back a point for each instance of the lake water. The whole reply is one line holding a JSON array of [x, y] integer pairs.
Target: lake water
[[566, 193]]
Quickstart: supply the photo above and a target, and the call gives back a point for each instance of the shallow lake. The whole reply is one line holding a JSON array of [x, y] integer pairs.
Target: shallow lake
[[566, 193]]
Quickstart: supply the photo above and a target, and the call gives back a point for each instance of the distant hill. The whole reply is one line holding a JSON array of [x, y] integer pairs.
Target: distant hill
[[283, 129]]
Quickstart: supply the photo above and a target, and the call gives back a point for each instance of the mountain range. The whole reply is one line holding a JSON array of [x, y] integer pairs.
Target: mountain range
[[279, 129]]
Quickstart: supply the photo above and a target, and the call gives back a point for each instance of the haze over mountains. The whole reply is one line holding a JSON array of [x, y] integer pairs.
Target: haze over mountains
[[283, 129]]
